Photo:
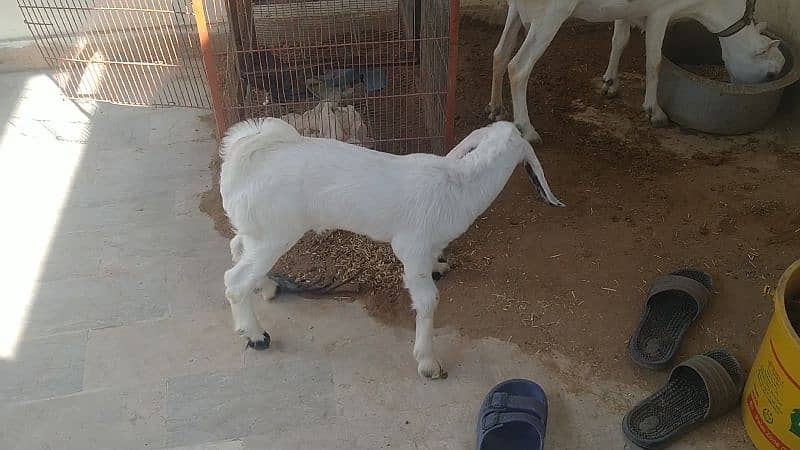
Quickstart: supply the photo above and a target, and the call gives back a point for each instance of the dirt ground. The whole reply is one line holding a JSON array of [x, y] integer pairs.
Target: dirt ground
[[640, 202]]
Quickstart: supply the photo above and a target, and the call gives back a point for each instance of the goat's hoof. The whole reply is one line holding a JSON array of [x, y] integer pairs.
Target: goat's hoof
[[610, 88], [495, 114], [529, 134], [430, 368], [269, 290], [657, 117], [661, 121], [437, 276], [259, 345]]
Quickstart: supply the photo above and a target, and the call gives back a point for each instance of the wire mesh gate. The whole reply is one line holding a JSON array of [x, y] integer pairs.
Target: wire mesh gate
[[131, 52], [373, 72], [380, 73]]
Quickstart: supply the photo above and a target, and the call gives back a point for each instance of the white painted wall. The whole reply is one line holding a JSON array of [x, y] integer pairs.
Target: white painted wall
[[12, 27]]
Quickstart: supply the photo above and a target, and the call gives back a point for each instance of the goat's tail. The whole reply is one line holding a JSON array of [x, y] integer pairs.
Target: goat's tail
[[270, 129]]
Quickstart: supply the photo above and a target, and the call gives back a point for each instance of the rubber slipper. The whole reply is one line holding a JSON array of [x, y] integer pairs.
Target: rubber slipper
[[319, 287], [513, 416], [699, 389], [674, 302]]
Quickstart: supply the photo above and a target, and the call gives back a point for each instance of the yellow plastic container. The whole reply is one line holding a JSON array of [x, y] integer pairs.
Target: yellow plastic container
[[771, 400]]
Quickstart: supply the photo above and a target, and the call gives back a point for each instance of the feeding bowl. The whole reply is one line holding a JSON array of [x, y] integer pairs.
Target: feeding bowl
[[709, 105]]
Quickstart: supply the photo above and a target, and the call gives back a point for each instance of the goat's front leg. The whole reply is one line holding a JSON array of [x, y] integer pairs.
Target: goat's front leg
[[248, 275], [500, 58], [417, 266], [655, 29], [539, 37], [424, 299], [240, 286], [267, 287], [622, 34]]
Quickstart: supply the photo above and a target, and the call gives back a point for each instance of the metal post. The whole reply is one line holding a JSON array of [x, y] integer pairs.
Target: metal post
[[207, 51], [452, 69]]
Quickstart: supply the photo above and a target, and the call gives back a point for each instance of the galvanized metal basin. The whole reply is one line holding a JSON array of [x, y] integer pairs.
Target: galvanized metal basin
[[711, 106]]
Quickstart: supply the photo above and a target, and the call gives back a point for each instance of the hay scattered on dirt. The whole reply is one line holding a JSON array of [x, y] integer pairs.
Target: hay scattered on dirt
[[710, 71], [338, 256]]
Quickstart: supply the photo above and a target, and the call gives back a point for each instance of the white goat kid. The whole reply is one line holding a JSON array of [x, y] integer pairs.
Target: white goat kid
[[276, 185], [749, 56]]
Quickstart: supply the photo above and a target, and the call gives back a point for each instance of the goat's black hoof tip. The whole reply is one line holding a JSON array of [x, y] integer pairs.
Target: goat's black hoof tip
[[436, 276], [260, 345]]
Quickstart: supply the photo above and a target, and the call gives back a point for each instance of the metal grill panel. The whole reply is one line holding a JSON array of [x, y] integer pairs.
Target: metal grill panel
[[385, 67], [132, 52]]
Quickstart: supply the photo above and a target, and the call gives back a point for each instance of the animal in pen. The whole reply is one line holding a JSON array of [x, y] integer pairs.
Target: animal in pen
[[277, 184], [386, 61], [750, 57]]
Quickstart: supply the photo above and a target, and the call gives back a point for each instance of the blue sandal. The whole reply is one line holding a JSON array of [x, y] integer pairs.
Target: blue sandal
[[513, 416]]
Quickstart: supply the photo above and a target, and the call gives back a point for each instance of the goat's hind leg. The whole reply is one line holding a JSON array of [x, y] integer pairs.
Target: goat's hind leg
[[237, 248], [622, 34], [267, 288], [241, 283], [540, 35], [655, 29], [239, 289]]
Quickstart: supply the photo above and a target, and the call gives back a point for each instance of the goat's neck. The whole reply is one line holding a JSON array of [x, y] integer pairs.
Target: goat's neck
[[484, 177], [717, 15]]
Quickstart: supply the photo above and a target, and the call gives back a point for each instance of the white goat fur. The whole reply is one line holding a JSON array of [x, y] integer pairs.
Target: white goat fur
[[276, 185], [749, 56]]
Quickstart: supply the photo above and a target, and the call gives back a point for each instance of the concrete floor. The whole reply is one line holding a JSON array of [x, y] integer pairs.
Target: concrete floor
[[117, 334]]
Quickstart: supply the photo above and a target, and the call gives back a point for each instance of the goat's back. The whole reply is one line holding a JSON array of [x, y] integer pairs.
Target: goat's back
[[317, 184], [248, 136]]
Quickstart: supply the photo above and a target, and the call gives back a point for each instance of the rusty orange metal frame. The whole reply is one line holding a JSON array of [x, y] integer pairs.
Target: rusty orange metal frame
[[224, 113], [452, 69], [207, 51]]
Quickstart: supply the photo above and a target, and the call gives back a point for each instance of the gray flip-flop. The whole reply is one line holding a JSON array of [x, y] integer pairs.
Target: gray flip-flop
[[699, 389], [674, 302]]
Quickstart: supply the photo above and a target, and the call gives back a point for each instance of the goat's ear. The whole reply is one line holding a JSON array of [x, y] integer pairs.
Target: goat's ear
[[761, 27], [536, 174], [468, 144], [772, 44]]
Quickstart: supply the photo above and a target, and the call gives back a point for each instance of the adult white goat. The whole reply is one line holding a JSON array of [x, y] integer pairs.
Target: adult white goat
[[749, 56], [276, 185]]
